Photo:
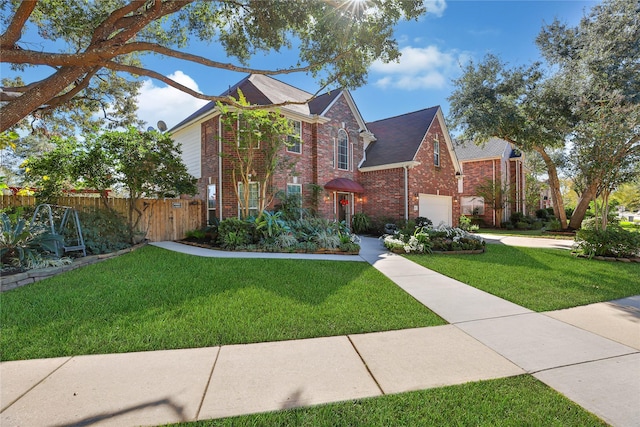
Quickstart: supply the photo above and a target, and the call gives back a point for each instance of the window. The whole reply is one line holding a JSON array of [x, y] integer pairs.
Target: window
[[247, 136], [436, 151], [212, 204], [254, 195], [343, 150], [295, 140], [294, 189], [472, 205]]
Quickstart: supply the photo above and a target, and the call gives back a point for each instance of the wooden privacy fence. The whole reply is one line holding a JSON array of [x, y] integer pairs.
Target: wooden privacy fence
[[164, 219]]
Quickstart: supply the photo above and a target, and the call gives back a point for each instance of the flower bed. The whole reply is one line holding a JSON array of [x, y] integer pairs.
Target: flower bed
[[427, 240]]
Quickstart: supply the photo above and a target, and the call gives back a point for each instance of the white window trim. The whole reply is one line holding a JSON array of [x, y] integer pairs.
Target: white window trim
[[472, 202], [291, 184], [299, 144], [238, 138], [256, 207], [338, 150], [436, 152]]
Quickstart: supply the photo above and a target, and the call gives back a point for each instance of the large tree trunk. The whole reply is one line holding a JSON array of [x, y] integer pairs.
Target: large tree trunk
[[583, 205], [554, 187], [39, 95]]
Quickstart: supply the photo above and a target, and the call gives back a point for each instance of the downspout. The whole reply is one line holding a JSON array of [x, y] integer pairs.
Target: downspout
[[219, 169], [493, 163], [406, 193]]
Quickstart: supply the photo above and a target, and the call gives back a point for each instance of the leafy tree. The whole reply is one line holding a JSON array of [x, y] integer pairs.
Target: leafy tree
[[253, 140], [144, 164], [598, 64], [495, 194], [628, 195], [336, 41], [593, 82], [518, 106]]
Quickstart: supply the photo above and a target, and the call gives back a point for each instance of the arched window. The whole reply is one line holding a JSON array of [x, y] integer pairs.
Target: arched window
[[343, 150]]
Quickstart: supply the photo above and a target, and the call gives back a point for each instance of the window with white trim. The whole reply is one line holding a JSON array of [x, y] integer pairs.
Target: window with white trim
[[212, 204], [294, 190], [343, 150], [472, 205], [436, 151], [254, 196], [295, 139], [246, 136]]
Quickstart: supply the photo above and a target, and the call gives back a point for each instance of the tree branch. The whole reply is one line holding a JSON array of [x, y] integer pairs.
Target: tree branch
[[65, 97], [224, 99], [14, 30]]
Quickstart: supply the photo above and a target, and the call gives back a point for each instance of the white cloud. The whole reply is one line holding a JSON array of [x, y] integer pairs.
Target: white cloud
[[167, 103], [419, 68], [435, 7]]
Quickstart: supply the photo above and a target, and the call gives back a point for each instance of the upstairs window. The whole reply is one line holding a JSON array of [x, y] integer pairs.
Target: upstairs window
[[343, 150], [436, 151], [295, 139]]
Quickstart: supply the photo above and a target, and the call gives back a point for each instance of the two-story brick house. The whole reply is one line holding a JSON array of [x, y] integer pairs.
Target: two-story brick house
[[397, 168], [496, 162]]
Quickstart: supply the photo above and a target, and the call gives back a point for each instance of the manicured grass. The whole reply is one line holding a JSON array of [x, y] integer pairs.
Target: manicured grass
[[538, 279], [515, 401], [155, 299], [525, 233]]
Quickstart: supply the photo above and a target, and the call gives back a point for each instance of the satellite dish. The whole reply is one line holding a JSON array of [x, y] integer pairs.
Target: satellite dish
[[162, 126], [150, 128]]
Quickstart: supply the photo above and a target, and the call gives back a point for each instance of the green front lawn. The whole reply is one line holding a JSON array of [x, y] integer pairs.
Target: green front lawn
[[154, 299], [514, 401], [538, 279], [526, 233]]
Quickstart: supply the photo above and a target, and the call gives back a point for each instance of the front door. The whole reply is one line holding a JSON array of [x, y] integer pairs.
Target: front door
[[343, 207]]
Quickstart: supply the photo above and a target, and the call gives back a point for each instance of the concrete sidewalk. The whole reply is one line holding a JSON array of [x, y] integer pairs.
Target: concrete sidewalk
[[591, 354]]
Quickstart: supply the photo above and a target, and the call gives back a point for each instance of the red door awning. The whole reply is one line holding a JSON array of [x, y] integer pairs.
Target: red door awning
[[344, 184]]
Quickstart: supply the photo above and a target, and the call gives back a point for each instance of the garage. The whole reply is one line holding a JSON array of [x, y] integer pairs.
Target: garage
[[437, 208]]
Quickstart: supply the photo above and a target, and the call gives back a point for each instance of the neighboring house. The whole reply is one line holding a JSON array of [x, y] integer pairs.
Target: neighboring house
[[411, 169], [496, 162], [397, 168]]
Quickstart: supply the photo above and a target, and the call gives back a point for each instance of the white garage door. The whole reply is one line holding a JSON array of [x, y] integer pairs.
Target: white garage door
[[437, 208]]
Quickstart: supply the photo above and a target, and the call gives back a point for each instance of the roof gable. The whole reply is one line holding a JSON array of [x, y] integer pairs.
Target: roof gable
[[492, 149], [398, 138]]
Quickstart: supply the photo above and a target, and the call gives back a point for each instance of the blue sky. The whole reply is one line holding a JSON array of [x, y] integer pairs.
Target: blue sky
[[434, 48]]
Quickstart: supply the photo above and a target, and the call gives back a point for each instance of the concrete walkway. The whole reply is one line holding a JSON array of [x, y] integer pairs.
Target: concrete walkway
[[590, 354]]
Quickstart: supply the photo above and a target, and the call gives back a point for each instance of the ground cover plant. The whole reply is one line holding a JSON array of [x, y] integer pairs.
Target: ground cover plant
[[538, 279], [153, 299], [514, 401], [427, 239]]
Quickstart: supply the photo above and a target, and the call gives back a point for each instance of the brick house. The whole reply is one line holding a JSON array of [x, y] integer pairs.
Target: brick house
[[411, 169], [496, 162], [343, 165]]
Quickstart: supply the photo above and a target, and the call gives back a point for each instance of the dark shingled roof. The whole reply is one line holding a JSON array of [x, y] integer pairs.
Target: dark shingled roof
[[263, 90], [398, 138]]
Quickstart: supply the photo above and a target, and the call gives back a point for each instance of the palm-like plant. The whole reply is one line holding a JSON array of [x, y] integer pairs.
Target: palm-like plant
[[21, 244]]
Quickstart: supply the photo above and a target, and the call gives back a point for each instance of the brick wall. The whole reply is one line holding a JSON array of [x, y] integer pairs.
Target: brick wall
[[385, 196], [476, 173]]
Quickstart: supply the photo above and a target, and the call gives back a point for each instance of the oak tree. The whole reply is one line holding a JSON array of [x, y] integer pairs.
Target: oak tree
[[100, 40]]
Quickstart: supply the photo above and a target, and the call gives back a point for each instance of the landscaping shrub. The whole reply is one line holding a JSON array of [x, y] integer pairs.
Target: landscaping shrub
[[426, 240], [553, 225], [235, 233], [467, 225], [360, 223], [103, 230], [542, 214], [422, 221], [23, 246], [612, 242]]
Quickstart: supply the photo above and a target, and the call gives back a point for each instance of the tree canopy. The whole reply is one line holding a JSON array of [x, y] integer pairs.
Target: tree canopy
[[100, 41], [587, 97]]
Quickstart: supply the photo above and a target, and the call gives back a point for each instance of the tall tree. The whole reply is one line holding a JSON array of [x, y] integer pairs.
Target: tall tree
[[336, 41], [517, 105], [253, 140], [598, 63], [143, 164]]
